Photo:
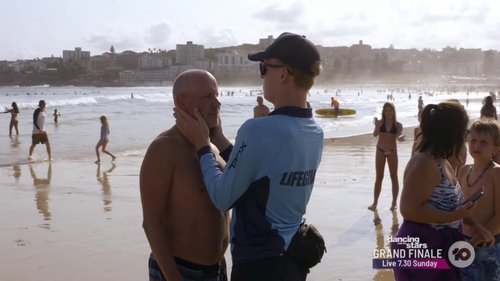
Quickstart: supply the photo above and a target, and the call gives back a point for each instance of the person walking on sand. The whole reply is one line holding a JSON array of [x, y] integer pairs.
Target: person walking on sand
[[56, 115], [14, 112], [187, 234], [388, 130], [39, 134], [432, 202], [270, 172], [484, 142], [260, 109], [103, 141]]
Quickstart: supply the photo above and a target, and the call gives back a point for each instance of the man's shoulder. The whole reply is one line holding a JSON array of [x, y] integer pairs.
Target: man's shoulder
[[167, 148], [166, 139], [172, 143]]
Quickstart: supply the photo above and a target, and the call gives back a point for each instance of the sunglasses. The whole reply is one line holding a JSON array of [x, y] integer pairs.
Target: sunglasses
[[263, 67]]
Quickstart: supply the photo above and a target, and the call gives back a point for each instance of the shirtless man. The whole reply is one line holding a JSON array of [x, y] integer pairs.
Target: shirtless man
[[260, 109], [336, 107], [187, 234]]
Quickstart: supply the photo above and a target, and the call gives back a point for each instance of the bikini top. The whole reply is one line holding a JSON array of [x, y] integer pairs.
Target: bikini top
[[393, 129], [446, 197]]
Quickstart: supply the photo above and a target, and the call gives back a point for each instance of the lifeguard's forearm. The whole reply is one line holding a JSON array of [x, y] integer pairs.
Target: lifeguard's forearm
[[225, 188]]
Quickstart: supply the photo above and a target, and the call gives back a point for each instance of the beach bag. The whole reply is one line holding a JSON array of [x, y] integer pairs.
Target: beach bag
[[307, 246]]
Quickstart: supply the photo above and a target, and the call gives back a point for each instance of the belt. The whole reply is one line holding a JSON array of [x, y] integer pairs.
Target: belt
[[197, 271]]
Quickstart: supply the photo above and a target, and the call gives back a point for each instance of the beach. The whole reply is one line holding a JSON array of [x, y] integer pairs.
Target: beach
[[82, 221], [70, 219]]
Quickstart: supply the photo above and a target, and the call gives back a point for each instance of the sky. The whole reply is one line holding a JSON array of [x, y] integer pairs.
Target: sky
[[42, 28]]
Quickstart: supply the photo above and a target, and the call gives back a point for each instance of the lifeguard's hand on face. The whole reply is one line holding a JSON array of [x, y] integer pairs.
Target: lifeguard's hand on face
[[193, 128]]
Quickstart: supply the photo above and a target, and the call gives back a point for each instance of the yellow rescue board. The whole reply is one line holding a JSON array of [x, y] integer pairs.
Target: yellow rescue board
[[328, 112]]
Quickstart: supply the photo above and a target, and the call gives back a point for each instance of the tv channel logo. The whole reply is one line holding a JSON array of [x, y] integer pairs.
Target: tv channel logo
[[461, 254]]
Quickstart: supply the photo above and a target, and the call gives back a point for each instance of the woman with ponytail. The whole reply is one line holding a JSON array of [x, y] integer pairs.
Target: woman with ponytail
[[432, 199]]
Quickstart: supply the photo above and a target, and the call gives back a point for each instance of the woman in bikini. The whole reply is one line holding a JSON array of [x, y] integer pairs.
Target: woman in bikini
[[387, 129], [14, 111], [432, 202]]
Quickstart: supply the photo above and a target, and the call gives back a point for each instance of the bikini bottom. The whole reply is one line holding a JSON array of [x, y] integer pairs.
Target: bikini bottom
[[386, 153]]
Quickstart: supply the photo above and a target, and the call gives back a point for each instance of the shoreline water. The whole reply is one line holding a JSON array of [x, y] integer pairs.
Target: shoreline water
[[136, 121]]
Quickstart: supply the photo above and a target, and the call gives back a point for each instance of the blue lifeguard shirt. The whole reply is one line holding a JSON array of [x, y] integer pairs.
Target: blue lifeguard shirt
[[267, 181]]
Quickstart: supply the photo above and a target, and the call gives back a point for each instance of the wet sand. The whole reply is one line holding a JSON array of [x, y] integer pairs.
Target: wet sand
[[75, 220]]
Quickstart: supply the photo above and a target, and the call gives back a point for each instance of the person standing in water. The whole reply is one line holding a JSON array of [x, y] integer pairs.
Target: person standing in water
[[56, 115], [14, 111], [39, 134], [103, 141], [336, 106], [387, 129]]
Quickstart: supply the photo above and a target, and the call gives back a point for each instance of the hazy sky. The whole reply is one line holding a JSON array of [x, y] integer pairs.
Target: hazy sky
[[41, 28]]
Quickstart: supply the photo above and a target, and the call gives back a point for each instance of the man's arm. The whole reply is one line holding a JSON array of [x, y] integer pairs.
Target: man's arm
[[35, 118], [155, 185]]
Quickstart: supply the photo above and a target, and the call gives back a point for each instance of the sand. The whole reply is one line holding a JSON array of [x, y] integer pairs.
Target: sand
[[83, 222]]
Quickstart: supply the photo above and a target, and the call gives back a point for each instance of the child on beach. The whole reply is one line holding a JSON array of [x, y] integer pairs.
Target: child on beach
[[484, 142], [103, 141]]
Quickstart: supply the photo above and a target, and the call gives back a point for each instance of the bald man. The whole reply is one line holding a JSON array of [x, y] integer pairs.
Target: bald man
[[187, 234]]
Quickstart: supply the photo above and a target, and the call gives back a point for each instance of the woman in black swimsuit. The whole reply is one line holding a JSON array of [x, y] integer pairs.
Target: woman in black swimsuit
[[387, 129]]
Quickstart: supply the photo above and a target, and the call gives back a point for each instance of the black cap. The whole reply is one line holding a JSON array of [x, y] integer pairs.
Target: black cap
[[292, 49]]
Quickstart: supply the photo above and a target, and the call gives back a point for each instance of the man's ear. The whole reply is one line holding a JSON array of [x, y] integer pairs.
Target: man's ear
[[179, 101], [285, 75]]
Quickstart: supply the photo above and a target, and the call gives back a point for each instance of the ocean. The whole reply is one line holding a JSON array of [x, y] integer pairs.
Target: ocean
[[136, 121]]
